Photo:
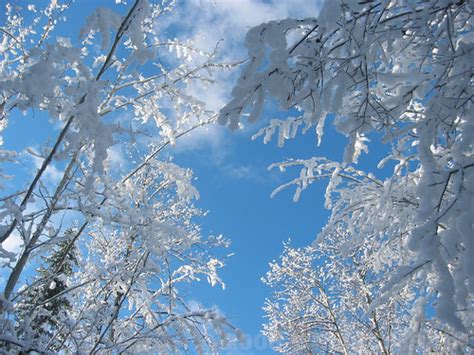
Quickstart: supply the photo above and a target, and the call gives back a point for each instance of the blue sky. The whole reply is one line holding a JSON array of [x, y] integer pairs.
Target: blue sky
[[241, 209], [231, 169], [236, 190]]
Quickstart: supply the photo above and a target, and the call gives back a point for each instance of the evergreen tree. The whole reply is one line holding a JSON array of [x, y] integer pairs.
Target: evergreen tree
[[45, 302]]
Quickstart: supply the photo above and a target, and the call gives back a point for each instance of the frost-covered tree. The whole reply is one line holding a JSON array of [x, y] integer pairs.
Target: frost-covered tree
[[43, 304], [321, 302], [400, 73], [121, 89]]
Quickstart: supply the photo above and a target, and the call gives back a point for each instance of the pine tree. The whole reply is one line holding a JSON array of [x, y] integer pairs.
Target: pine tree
[[45, 302]]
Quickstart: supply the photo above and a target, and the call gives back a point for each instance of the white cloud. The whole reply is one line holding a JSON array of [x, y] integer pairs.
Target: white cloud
[[13, 243], [52, 174], [225, 22], [229, 20], [115, 159], [210, 135], [246, 172]]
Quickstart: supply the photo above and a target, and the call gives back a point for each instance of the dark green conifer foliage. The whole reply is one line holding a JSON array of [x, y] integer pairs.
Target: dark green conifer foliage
[[45, 302]]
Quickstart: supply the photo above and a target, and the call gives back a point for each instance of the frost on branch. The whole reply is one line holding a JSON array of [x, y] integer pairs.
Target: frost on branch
[[401, 72], [321, 302], [382, 216], [107, 251]]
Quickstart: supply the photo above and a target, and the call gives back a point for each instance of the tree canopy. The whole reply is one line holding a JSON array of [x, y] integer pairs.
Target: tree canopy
[[118, 242], [393, 72], [108, 251]]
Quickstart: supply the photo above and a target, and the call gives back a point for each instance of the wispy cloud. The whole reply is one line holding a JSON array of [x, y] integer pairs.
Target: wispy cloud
[[224, 22], [229, 20], [52, 174], [247, 173], [209, 136]]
